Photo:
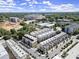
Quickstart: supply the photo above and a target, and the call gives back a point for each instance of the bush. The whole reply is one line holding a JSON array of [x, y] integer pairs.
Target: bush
[[6, 37]]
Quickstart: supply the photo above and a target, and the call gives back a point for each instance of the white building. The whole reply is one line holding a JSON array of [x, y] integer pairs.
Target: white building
[[57, 57], [35, 33], [30, 21], [3, 53], [53, 41], [17, 51], [14, 19], [46, 25], [64, 21], [30, 40], [34, 17], [46, 35]]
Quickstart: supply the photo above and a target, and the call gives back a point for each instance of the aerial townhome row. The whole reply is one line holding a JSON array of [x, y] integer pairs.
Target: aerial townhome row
[[36, 37], [17, 51], [52, 42]]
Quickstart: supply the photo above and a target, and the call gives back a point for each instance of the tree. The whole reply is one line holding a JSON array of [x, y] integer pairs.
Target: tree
[[46, 53], [4, 32], [76, 32], [13, 31], [6, 37], [14, 36], [22, 23], [20, 35], [51, 19]]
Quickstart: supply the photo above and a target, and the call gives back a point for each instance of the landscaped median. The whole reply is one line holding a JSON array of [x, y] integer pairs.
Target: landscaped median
[[67, 44], [64, 54]]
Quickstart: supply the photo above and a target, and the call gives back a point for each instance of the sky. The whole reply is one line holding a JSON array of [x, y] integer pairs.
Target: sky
[[39, 5]]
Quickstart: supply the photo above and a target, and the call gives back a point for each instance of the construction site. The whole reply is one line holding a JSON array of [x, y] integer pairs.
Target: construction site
[[10, 25]]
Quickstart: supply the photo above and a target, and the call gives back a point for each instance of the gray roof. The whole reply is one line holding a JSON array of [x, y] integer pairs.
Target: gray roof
[[73, 25], [52, 40], [35, 33]]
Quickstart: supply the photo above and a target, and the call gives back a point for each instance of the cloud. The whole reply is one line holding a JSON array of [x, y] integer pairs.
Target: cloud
[[61, 7], [42, 10], [64, 8], [33, 2], [9, 0], [47, 2], [23, 4], [35, 6], [2, 2], [8, 6], [7, 3], [27, 0]]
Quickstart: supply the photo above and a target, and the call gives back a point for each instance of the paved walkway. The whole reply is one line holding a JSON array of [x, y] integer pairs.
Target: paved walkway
[[74, 41], [73, 53]]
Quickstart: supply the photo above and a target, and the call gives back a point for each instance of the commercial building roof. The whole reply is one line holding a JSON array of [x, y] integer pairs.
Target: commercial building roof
[[34, 16], [46, 24], [14, 17], [29, 21], [66, 20]]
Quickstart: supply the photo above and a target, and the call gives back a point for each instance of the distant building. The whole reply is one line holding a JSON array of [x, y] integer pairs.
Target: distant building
[[30, 21], [71, 28], [34, 17], [14, 19], [46, 25], [17, 51], [63, 21], [3, 53]]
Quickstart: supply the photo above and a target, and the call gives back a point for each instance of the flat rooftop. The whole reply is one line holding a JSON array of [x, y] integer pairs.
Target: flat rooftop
[[46, 24]]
